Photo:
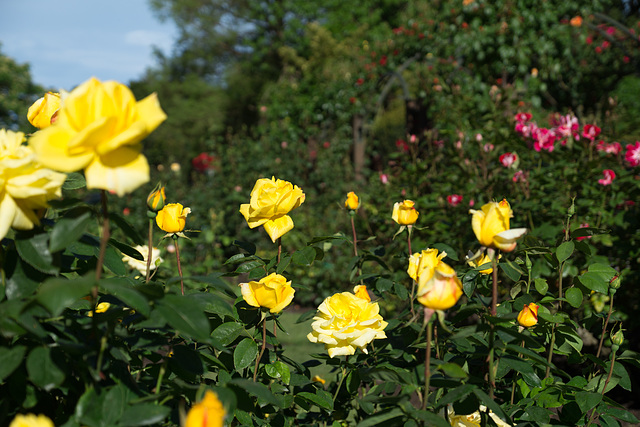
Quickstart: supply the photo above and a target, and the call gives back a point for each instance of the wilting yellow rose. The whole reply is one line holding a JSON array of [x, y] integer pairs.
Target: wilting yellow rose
[[156, 199], [529, 315], [482, 260], [209, 412], [438, 285], [352, 202], [491, 226], [405, 213], [25, 186], [31, 420], [141, 266], [272, 292], [99, 129], [42, 111], [271, 201], [345, 322], [172, 218]]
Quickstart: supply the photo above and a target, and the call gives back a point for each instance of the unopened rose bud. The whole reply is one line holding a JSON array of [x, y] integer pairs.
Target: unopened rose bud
[[615, 282], [617, 338], [156, 199]]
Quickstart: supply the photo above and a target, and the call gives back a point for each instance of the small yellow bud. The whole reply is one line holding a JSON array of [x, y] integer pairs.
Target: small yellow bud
[[156, 199]]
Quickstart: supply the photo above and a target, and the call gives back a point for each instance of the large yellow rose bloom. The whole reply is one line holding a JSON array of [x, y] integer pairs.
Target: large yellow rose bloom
[[31, 420], [438, 285], [209, 412], [172, 218], [99, 129], [345, 322], [42, 111], [25, 186], [405, 213], [529, 315], [272, 292], [271, 201], [491, 226]]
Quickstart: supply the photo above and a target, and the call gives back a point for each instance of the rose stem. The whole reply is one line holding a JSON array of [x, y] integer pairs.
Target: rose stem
[[427, 360], [150, 250], [175, 238], [264, 344], [413, 282]]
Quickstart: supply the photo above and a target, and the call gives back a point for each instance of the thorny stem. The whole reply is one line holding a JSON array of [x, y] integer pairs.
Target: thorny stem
[[179, 266], [355, 238], [150, 253], [606, 383], [264, 344], [279, 243], [604, 327]]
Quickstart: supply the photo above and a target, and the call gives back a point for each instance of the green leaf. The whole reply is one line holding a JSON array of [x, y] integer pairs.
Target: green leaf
[[249, 266], [56, 294], [127, 229], [74, 181], [258, 390], [43, 372], [381, 418], [457, 394], [320, 398], [594, 282], [541, 286], [278, 369], [21, 278], [34, 249], [245, 353], [227, 332], [443, 247], [112, 260], [511, 269], [304, 257], [621, 414], [574, 297], [11, 359], [538, 415], [452, 370], [247, 246], [67, 230], [306, 316], [126, 249], [114, 404], [283, 264], [144, 414], [587, 400], [183, 314], [564, 251], [124, 290]]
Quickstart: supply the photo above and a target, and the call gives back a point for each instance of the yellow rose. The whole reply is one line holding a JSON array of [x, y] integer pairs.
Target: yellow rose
[[405, 213], [438, 285], [529, 315], [100, 308], [99, 129], [474, 419], [25, 186], [31, 420], [172, 218], [43, 112], [491, 226], [156, 199], [272, 292], [345, 322], [271, 201], [482, 260], [352, 202], [361, 292], [209, 412], [141, 266]]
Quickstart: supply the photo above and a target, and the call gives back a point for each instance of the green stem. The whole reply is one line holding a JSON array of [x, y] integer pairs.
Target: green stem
[[175, 238], [163, 369], [606, 383], [103, 346], [355, 238], [264, 344], [550, 355], [342, 377], [494, 289], [279, 243], [103, 241], [427, 365], [150, 253], [604, 327]]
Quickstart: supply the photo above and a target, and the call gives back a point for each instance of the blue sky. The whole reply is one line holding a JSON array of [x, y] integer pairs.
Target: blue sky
[[68, 41]]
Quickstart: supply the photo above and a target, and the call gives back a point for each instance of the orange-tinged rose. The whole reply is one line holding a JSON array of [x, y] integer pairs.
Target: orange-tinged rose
[[491, 226], [438, 285], [361, 292], [44, 110], [345, 322], [209, 412], [99, 128], [172, 218], [576, 21], [529, 315], [405, 213], [273, 292], [352, 202], [271, 201]]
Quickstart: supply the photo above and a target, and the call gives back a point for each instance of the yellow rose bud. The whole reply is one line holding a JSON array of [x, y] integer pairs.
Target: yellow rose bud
[[482, 260], [491, 226], [405, 213], [318, 379], [209, 412], [44, 111], [31, 420], [352, 202], [345, 322], [172, 218], [361, 292], [99, 128], [438, 285], [156, 199], [25, 186], [529, 315], [271, 201], [272, 292]]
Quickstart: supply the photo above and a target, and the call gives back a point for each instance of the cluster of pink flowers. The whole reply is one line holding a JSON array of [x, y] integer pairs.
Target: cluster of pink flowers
[[562, 128], [632, 156], [613, 148]]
